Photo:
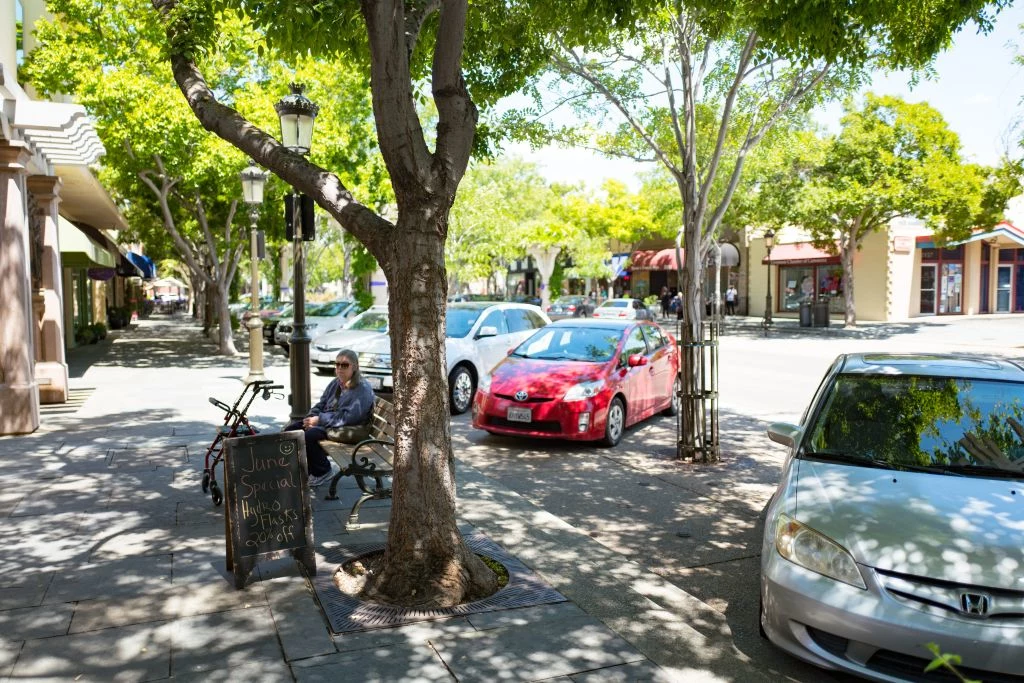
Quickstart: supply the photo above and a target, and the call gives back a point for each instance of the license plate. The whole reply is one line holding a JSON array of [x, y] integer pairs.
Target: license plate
[[325, 358], [519, 415], [375, 382]]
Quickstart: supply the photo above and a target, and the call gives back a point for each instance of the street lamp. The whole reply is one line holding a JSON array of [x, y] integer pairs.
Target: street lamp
[[769, 242], [253, 180], [297, 114]]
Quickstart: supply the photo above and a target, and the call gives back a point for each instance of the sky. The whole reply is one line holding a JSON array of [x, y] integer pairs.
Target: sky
[[977, 87]]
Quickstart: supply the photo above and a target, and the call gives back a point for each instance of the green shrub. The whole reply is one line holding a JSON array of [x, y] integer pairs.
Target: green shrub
[[100, 330], [652, 300], [85, 334]]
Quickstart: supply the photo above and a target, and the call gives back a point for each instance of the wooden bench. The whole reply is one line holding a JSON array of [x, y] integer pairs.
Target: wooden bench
[[369, 461]]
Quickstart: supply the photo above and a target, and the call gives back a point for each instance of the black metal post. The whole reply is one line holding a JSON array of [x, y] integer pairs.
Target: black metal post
[[298, 343], [768, 296]]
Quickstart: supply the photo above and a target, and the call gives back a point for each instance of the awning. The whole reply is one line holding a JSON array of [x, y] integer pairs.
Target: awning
[[664, 259], [1000, 233], [143, 263], [802, 254], [78, 250]]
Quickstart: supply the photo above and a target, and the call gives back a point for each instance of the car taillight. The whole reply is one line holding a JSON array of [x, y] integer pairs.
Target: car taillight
[[572, 307], [622, 314], [549, 309]]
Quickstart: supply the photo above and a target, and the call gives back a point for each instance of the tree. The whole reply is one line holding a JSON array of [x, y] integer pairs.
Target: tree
[[412, 51], [179, 183], [699, 85], [892, 159]]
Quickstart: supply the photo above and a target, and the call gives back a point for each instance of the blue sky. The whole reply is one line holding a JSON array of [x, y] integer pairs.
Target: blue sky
[[978, 88]]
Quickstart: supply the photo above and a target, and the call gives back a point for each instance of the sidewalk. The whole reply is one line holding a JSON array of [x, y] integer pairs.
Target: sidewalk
[[112, 560]]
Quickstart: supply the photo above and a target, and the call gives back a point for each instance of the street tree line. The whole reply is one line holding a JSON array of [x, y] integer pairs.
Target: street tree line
[[407, 91]]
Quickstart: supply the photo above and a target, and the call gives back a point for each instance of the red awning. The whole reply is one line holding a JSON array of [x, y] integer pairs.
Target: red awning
[[800, 253], [665, 259]]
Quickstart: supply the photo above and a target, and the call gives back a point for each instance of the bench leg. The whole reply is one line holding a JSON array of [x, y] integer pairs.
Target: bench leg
[[353, 516], [332, 493]]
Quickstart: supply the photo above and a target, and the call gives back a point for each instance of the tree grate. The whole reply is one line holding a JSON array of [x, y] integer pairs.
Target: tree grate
[[348, 615]]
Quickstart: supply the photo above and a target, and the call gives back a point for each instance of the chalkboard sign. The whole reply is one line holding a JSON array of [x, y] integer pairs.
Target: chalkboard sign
[[267, 511]]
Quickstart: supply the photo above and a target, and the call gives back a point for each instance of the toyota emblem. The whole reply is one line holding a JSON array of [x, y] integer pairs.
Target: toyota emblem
[[521, 395]]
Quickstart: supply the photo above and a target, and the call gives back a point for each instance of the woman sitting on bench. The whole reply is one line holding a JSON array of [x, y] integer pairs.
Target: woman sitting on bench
[[347, 401]]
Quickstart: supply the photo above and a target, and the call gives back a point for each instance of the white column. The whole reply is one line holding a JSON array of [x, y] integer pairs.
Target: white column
[[52, 370], [544, 256], [8, 38], [19, 393]]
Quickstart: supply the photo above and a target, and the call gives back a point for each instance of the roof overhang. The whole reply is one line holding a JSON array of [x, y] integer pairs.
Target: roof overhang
[[1004, 234], [84, 200], [61, 132]]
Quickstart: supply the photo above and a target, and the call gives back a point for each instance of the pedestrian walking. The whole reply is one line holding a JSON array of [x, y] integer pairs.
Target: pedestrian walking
[[730, 300], [666, 302]]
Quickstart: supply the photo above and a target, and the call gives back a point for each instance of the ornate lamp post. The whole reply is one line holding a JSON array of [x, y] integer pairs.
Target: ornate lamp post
[[253, 180], [769, 242], [297, 114]]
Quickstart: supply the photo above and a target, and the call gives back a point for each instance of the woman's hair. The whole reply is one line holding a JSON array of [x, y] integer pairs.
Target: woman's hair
[[351, 357]]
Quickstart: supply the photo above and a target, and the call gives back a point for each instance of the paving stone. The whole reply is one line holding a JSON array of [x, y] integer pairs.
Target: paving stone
[[262, 670], [9, 650], [635, 672], [92, 615], [300, 623], [223, 640], [132, 653], [197, 512], [524, 616], [536, 651], [114, 579], [407, 663], [52, 502], [36, 622], [56, 548], [419, 633], [19, 590]]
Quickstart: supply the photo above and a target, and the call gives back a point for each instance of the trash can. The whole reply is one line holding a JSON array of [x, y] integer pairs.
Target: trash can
[[821, 318], [805, 314]]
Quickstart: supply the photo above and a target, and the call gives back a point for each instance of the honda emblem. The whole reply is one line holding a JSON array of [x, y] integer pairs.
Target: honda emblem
[[974, 604]]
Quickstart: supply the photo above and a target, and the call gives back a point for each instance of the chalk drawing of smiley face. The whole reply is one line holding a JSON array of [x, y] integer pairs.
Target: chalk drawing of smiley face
[[287, 447]]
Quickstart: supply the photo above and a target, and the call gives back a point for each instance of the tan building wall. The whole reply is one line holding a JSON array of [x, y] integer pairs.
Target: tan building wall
[[871, 278]]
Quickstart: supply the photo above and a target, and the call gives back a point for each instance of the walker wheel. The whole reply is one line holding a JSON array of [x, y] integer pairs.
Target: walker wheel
[[206, 481], [215, 493]]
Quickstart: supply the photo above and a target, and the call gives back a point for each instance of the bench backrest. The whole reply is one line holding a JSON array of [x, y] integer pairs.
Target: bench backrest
[[382, 424]]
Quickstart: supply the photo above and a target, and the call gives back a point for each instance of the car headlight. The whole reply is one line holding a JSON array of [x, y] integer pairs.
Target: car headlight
[[806, 547], [584, 390]]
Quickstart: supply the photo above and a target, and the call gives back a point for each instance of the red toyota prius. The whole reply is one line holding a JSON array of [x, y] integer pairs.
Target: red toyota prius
[[581, 379]]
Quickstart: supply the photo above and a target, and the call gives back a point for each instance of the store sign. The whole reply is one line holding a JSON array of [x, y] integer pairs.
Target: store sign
[[902, 244]]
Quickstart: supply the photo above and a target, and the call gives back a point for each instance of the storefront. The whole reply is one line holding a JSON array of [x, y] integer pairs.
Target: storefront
[[804, 273]]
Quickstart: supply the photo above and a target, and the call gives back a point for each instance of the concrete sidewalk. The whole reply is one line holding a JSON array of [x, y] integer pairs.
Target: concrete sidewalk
[[112, 558]]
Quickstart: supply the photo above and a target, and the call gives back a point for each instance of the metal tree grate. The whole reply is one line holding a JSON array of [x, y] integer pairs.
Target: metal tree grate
[[347, 614]]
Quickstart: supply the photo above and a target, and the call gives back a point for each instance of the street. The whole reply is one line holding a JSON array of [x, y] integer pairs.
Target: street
[[698, 525]]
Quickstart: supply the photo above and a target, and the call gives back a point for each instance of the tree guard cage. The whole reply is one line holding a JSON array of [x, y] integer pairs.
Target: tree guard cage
[[697, 422]]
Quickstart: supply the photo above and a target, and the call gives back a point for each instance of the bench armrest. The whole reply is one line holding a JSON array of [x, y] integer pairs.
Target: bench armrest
[[364, 461]]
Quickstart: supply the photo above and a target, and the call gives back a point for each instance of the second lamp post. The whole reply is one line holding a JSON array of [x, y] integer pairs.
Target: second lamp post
[[769, 242], [253, 180], [297, 114]]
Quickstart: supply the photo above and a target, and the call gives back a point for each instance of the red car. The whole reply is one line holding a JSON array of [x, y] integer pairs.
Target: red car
[[581, 379]]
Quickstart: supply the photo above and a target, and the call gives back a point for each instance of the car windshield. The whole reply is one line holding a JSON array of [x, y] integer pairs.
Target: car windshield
[[568, 299], [333, 308], [459, 321], [592, 344], [947, 425], [615, 304], [375, 321]]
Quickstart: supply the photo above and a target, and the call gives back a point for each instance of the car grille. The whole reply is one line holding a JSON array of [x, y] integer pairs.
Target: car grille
[[532, 399], [547, 426], [912, 669], [1002, 606]]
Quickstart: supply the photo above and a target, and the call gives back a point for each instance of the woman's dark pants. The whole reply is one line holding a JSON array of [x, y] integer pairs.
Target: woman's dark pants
[[316, 456]]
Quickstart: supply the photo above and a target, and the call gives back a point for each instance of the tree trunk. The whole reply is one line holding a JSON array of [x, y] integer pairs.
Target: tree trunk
[[847, 248], [426, 561], [225, 337]]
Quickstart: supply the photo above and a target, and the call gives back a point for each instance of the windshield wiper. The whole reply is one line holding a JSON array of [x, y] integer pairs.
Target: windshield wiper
[[979, 470]]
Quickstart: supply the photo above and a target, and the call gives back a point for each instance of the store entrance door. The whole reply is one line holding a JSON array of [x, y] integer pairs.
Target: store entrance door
[[951, 286], [928, 290], [1004, 277]]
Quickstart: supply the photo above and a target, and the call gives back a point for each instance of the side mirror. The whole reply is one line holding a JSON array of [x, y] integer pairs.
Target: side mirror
[[636, 359], [510, 351], [487, 331], [784, 433]]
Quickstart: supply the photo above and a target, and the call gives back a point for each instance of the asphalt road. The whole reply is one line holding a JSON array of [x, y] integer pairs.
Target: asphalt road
[[698, 525]]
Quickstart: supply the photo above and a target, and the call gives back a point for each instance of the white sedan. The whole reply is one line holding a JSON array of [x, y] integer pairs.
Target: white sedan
[[479, 334], [624, 309], [369, 324]]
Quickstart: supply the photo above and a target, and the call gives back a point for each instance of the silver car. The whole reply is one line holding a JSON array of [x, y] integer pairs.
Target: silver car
[[899, 519]]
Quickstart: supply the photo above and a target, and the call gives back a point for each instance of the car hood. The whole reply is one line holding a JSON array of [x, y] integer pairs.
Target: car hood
[[340, 339], [374, 343], [542, 378], [962, 529]]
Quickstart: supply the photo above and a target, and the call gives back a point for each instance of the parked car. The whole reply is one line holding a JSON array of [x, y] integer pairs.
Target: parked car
[[627, 309], [581, 379], [479, 334], [467, 296], [373, 322], [325, 318], [899, 519], [572, 306]]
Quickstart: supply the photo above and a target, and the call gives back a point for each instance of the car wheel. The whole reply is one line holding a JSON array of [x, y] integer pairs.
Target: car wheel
[[322, 371], [673, 405], [460, 390], [615, 424], [285, 349]]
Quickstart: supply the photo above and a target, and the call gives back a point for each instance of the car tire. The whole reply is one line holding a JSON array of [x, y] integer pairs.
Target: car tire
[[461, 389], [675, 401], [615, 423], [323, 371], [285, 349]]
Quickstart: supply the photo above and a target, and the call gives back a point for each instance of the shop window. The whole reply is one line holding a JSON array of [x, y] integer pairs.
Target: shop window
[[810, 283], [1007, 255]]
